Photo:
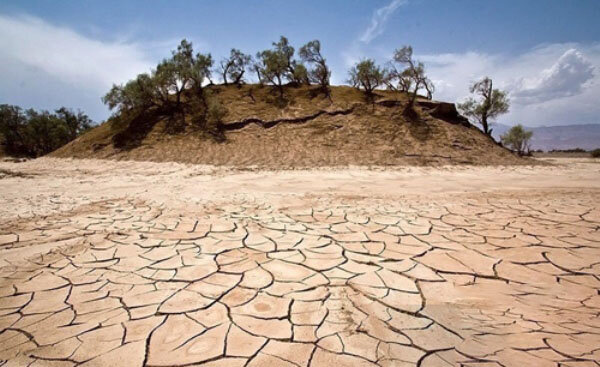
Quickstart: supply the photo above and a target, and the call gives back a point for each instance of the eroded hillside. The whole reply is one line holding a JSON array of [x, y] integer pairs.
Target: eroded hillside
[[305, 129]]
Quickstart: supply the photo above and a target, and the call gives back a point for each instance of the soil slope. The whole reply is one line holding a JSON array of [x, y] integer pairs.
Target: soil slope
[[307, 130]]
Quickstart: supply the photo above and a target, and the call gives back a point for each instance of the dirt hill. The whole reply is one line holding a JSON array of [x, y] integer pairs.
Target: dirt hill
[[306, 130]]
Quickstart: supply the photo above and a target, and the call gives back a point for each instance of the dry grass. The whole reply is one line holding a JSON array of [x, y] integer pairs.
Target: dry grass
[[371, 135]]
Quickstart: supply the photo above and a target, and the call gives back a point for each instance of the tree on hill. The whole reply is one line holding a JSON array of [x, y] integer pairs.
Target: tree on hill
[[141, 93], [257, 65], [32, 133], [277, 65], [493, 103], [366, 75], [300, 75], [200, 72], [286, 51], [184, 71], [165, 86], [176, 72], [395, 80], [272, 68], [320, 73], [234, 66], [517, 138], [410, 79], [175, 89]]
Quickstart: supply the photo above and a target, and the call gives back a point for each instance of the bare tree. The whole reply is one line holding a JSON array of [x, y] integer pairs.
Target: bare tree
[[411, 79], [234, 66], [430, 88], [395, 80]]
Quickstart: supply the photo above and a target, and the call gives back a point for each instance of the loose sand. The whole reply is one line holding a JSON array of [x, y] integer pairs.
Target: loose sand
[[107, 263]]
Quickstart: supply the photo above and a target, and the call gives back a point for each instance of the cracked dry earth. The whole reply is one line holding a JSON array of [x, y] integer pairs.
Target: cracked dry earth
[[269, 277]]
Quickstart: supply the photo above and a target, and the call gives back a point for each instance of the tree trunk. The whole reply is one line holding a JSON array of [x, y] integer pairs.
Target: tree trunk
[[413, 97], [484, 124], [487, 106], [225, 77], [260, 80], [239, 78]]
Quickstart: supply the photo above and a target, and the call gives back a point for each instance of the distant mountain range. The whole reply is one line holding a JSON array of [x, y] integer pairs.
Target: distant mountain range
[[559, 137]]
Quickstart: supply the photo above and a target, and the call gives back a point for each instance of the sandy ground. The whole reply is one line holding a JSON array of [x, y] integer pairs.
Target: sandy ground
[[106, 263]]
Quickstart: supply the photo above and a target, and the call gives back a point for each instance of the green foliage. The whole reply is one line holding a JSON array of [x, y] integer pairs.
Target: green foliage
[[491, 104], [272, 67], [33, 133], [411, 77], [215, 112], [300, 74], [200, 70], [286, 51], [572, 150], [277, 65], [366, 75], [407, 75], [311, 53], [596, 153], [76, 123], [517, 138], [165, 86], [140, 93]]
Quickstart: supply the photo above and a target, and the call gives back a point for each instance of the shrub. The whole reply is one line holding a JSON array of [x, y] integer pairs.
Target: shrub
[[596, 153], [518, 139], [215, 112]]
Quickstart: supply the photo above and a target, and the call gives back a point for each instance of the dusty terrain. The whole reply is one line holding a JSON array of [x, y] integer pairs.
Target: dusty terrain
[[107, 263], [309, 131]]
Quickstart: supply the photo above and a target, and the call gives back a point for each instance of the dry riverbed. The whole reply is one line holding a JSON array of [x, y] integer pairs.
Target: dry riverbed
[[106, 263]]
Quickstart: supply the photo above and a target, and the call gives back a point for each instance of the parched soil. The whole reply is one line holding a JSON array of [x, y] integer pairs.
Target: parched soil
[[308, 131], [106, 263]]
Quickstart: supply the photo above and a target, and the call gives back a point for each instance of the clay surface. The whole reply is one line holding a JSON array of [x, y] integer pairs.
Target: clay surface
[[106, 263]]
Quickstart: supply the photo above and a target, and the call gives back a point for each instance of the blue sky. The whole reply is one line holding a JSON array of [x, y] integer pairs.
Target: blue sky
[[545, 53]]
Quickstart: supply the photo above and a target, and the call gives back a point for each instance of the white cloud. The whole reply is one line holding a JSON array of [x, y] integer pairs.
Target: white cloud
[[379, 19], [566, 77], [64, 53], [357, 50], [548, 85], [453, 73], [46, 66]]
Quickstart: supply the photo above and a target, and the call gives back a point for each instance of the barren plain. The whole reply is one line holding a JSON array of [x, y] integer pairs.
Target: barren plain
[[120, 263]]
